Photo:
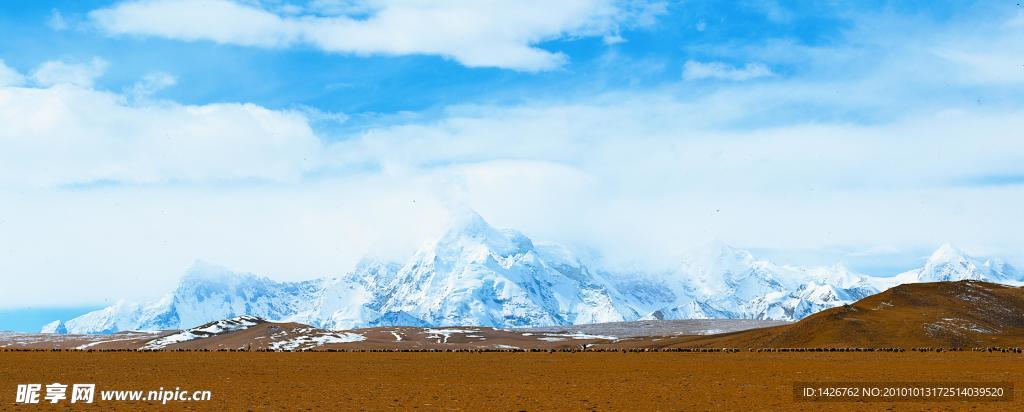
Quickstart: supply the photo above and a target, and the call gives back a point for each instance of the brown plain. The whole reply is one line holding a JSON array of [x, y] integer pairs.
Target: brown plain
[[505, 381]]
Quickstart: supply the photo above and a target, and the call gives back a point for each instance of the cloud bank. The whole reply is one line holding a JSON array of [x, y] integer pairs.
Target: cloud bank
[[66, 134]]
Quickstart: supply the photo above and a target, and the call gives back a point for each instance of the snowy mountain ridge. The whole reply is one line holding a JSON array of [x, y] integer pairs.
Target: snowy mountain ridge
[[477, 275]]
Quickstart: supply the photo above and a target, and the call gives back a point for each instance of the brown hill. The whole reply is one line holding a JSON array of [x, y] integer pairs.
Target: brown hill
[[964, 314]]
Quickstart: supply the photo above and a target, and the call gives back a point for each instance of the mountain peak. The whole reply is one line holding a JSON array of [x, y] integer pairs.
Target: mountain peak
[[463, 221], [948, 263], [947, 253], [56, 327], [467, 230]]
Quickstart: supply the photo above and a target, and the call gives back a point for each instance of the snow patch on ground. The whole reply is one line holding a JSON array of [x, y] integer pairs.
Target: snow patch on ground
[[204, 331], [579, 336], [955, 326], [166, 341], [442, 335], [310, 342], [18, 339], [91, 344]]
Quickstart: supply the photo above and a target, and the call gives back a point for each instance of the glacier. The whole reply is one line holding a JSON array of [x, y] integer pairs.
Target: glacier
[[478, 275]]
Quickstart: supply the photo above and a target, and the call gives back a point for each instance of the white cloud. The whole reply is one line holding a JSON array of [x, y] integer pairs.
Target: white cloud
[[681, 141], [606, 170], [9, 76], [69, 135], [152, 83], [695, 70], [917, 51], [216, 20], [476, 34], [79, 74]]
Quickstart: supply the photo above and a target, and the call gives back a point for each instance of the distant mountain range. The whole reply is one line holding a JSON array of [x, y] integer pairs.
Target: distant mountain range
[[477, 275]]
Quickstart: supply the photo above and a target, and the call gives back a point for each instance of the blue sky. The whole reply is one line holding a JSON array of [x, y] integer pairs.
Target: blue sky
[[292, 138]]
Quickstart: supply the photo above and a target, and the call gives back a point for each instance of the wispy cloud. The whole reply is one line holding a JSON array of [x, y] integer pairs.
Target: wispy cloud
[[62, 72], [56, 21], [476, 34], [695, 70], [152, 83]]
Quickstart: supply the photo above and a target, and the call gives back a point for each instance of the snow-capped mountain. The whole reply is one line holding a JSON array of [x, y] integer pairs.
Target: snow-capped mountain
[[950, 263], [478, 275], [206, 293], [720, 281], [56, 326]]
